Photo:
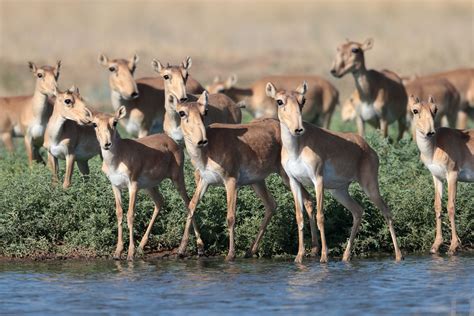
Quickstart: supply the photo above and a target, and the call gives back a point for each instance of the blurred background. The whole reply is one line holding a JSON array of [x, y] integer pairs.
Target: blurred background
[[248, 38]]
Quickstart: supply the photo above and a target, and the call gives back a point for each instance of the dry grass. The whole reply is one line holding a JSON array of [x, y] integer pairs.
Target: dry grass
[[250, 38]]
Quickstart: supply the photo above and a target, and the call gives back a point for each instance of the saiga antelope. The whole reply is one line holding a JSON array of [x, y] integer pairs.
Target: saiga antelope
[[326, 160], [138, 164], [68, 136], [382, 94], [221, 109], [321, 98], [143, 98], [234, 155], [28, 115], [449, 155]]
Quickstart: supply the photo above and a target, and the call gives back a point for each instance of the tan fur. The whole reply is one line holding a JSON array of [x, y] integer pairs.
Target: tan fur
[[221, 109], [321, 99], [146, 106], [67, 136], [382, 93], [463, 80], [325, 160], [27, 116], [234, 155], [138, 164], [449, 155]]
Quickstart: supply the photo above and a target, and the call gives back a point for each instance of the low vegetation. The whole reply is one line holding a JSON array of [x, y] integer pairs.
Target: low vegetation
[[39, 220]]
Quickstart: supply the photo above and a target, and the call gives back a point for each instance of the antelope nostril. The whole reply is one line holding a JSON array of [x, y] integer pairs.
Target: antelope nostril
[[134, 95], [333, 71], [183, 99], [429, 134], [202, 143], [298, 131], [107, 145]]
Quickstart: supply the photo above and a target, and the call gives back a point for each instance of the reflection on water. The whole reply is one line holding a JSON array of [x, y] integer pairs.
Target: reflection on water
[[418, 285]]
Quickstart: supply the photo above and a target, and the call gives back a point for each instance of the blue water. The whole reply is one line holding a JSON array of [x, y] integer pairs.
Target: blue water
[[417, 286]]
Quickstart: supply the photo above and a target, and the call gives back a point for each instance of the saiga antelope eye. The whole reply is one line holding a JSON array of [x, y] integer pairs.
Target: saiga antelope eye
[[40, 75], [415, 111], [280, 102], [182, 114], [112, 69], [166, 77], [355, 50], [94, 124], [68, 101]]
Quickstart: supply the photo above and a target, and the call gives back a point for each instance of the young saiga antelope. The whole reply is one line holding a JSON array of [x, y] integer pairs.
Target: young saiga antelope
[[221, 109], [382, 94], [234, 155], [326, 160], [144, 97], [138, 164], [68, 136], [449, 155], [28, 115]]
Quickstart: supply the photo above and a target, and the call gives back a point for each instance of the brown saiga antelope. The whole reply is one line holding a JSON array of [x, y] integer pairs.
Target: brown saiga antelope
[[28, 115], [221, 109], [68, 136], [449, 155], [321, 99], [138, 164], [234, 155], [144, 98], [326, 160], [382, 94], [463, 80]]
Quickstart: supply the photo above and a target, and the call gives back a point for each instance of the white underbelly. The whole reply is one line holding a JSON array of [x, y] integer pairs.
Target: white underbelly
[[211, 177], [118, 179], [300, 171], [367, 111], [37, 131], [439, 171], [59, 151], [466, 175]]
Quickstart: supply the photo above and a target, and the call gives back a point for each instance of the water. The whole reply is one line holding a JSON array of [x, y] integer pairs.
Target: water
[[416, 286]]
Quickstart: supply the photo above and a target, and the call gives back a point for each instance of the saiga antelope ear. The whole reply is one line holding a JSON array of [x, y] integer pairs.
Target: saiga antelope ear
[[217, 79], [157, 65], [73, 89], [431, 99], [270, 90], [32, 67], [173, 102], [120, 113], [56, 70], [132, 62], [368, 44], [231, 81], [302, 88], [203, 102], [103, 60], [187, 63], [414, 100]]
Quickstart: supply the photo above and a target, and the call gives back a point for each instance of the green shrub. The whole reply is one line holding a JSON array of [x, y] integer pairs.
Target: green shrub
[[40, 220]]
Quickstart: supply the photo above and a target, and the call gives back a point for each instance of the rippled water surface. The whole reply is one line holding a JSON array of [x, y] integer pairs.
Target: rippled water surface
[[417, 286]]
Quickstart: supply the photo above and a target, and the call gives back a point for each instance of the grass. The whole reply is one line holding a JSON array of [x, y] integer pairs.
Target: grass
[[40, 220]]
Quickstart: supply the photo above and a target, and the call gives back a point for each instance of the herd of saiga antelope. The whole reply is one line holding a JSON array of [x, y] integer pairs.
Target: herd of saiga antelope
[[232, 154]]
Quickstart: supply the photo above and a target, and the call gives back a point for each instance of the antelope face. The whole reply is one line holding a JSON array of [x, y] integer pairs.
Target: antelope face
[[192, 120], [350, 57], [121, 75], [46, 78], [105, 126], [221, 86], [290, 104], [423, 115], [72, 106], [174, 77]]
